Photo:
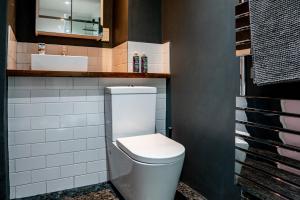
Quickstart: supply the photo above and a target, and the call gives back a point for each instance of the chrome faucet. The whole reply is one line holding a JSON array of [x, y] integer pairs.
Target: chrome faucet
[[42, 48]]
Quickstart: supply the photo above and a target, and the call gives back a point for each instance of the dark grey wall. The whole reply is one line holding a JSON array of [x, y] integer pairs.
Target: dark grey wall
[[4, 182], [204, 83], [120, 21], [137, 20], [144, 21]]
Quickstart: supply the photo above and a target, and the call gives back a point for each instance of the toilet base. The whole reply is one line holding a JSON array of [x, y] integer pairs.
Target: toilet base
[[142, 181]]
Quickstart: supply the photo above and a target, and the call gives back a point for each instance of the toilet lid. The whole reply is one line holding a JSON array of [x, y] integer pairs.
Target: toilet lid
[[152, 149]]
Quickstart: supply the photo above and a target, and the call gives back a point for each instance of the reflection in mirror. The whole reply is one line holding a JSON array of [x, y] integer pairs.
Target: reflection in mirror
[[86, 17], [53, 16], [73, 17]]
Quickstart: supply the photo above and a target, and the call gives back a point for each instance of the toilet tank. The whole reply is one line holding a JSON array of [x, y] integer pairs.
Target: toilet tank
[[129, 111]]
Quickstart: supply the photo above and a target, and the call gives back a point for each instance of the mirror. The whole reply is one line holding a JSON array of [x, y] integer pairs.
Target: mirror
[[70, 18]]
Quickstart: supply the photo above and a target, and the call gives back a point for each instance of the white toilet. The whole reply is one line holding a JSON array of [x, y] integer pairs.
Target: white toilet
[[143, 165]]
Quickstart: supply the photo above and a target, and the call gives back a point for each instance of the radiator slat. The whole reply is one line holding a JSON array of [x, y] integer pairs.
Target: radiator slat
[[268, 147], [258, 190], [274, 170]]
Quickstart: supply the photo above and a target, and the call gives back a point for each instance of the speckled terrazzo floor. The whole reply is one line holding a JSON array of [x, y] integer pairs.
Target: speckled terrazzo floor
[[188, 192], [106, 191], [106, 194], [184, 192]]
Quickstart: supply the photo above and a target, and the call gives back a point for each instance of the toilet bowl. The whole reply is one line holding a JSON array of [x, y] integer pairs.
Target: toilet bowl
[[143, 165]]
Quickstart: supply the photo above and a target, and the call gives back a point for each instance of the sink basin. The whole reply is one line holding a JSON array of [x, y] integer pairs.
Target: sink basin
[[59, 63]]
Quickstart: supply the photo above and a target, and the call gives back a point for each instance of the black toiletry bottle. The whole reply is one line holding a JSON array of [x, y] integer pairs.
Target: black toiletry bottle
[[144, 61], [136, 62]]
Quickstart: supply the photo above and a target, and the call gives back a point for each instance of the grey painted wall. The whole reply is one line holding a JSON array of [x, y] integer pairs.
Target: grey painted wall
[[144, 21], [137, 20], [204, 83], [4, 183]]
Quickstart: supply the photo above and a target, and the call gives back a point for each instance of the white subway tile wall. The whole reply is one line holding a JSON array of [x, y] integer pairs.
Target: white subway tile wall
[[166, 57], [57, 134], [117, 59], [99, 59], [158, 56]]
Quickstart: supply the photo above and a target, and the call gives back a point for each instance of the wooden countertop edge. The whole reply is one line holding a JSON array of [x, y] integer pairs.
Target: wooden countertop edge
[[38, 73]]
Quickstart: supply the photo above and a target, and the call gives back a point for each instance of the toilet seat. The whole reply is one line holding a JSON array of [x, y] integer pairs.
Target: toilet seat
[[152, 148]]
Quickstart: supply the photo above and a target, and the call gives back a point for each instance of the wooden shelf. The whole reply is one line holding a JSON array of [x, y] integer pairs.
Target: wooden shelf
[[69, 35], [104, 37], [37, 73]]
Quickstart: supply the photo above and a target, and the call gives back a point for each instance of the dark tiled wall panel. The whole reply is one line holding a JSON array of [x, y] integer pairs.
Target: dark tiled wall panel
[[242, 22], [242, 25]]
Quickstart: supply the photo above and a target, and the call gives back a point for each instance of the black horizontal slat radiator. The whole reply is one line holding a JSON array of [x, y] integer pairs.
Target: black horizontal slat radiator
[[267, 148]]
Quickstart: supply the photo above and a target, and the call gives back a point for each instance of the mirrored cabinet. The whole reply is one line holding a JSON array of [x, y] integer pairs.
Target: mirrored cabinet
[[70, 18]]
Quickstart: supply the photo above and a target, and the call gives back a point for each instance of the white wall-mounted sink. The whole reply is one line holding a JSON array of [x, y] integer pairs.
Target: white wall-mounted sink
[[59, 63]]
